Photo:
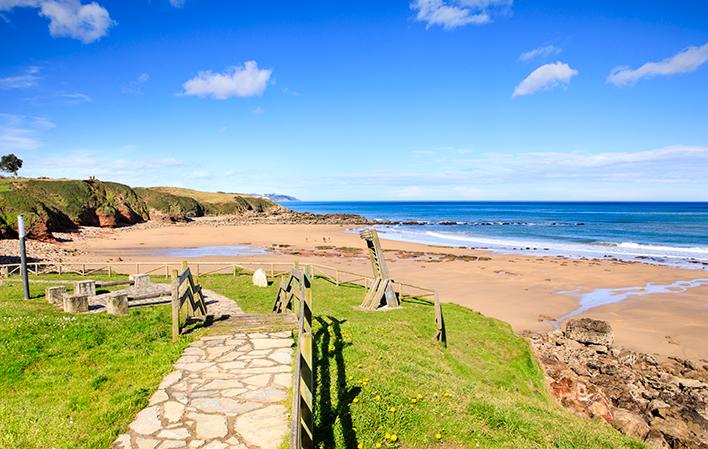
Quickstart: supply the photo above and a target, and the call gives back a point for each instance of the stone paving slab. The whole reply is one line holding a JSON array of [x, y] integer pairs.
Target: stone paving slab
[[227, 391]]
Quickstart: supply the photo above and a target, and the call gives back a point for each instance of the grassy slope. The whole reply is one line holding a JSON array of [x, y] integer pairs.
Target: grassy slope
[[56, 203], [172, 206], [484, 391], [220, 203], [75, 381]]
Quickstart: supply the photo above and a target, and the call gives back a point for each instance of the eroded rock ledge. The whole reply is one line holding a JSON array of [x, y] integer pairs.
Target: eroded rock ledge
[[662, 402]]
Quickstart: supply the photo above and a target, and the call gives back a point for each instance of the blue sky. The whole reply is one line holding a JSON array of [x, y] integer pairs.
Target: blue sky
[[430, 99]]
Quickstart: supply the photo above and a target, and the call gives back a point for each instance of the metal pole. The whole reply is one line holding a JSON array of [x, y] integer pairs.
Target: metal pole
[[23, 253]]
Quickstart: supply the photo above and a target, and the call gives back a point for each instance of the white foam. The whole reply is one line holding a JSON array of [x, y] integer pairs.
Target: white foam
[[674, 255]]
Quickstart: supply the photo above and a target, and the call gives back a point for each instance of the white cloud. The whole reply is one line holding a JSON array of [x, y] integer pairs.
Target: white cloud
[[72, 98], [688, 60], [28, 79], [243, 81], [547, 76], [450, 14], [540, 52], [258, 111], [135, 86], [69, 18], [22, 133], [128, 168], [291, 92], [177, 3]]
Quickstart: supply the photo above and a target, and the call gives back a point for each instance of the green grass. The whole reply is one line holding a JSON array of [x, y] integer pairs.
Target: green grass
[[76, 381], [485, 390]]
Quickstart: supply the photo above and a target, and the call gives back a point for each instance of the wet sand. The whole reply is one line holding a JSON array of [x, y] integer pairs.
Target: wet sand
[[524, 291]]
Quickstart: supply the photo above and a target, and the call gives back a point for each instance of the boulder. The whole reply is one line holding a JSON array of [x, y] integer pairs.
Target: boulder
[[591, 332], [629, 423], [259, 278]]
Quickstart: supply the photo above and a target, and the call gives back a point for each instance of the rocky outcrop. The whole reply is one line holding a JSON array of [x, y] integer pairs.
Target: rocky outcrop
[[663, 403], [56, 205]]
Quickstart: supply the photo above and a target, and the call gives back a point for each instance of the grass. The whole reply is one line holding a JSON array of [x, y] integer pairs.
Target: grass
[[485, 390], [76, 381]]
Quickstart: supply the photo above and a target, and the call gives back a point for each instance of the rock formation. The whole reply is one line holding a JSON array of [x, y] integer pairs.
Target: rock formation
[[663, 403]]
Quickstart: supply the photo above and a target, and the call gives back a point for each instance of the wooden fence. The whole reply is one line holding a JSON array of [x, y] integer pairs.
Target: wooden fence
[[295, 294], [272, 269], [187, 300]]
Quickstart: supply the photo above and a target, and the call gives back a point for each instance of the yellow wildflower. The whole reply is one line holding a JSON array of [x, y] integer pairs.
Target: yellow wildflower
[[394, 437], [438, 436], [392, 409]]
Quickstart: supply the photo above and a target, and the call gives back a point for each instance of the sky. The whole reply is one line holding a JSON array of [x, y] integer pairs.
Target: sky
[[363, 100]]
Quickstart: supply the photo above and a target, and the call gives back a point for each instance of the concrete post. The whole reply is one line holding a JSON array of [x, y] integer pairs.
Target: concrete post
[[85, 288], [55, 295], [117, 304], [141, 280], [76, 304]]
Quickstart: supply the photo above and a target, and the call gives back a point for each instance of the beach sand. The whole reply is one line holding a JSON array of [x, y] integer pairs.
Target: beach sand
[[524, 291]]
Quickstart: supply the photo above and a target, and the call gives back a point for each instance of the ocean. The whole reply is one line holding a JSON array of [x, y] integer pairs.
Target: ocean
[[664, 233]]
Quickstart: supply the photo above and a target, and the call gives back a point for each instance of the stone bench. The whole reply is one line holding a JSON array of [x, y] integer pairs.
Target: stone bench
[[55, 295], [117, 304], [85, 288], [76, 304]]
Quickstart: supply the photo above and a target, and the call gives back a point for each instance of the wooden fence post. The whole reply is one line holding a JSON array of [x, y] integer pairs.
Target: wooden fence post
[[175, 306], [441, 333]]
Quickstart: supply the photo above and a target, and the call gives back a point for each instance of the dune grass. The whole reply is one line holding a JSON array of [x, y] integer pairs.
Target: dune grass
[[75, 381], [380, 373]]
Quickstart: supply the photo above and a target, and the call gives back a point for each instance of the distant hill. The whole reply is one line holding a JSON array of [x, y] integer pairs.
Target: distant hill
[[277, 197]]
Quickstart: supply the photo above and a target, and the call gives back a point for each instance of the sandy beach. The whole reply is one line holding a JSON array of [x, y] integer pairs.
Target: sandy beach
[[525, 291]]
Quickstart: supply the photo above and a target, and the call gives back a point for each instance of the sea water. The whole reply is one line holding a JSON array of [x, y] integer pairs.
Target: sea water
[[665, 233]]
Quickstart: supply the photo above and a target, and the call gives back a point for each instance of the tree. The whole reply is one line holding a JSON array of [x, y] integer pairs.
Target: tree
[[10, 163]]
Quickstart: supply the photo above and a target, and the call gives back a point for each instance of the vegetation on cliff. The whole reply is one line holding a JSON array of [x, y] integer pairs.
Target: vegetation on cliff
[[62, 204], [221, 203], [166, 206], [56, 204]]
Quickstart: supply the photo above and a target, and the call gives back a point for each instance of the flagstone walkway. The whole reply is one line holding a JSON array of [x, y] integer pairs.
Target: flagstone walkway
[[228, 390]]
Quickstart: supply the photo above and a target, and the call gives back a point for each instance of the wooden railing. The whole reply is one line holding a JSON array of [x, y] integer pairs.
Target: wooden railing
[[187, 300], [272, 269], [295, 294]]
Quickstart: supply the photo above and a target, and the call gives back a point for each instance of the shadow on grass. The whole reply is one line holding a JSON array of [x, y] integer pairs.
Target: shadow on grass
[[328, 346]]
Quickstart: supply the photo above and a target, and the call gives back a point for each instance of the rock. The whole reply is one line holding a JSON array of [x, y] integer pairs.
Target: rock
[[663, 402], [630, 423], [259, 278], [117, 304], [589, 331], [147, 421], [690, 383], [655, 440], [55, 295], [209, 426], [657, 407]]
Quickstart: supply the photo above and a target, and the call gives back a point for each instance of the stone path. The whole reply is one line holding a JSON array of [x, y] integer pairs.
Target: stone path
[[228, 390]]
